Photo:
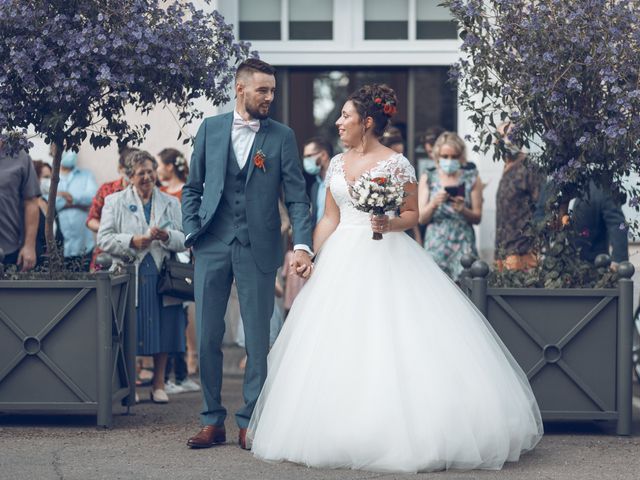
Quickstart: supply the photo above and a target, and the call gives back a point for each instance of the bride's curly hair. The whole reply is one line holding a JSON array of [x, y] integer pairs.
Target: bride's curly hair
[[377, 101]]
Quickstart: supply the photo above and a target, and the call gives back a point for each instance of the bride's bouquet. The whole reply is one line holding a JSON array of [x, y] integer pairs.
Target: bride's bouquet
[[377, 195]]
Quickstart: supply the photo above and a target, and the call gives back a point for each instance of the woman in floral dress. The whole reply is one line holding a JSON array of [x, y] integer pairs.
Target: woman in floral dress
[[450, 203]]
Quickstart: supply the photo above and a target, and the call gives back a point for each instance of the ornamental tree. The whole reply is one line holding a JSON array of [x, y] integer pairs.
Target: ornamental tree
[[567, 75], [68, 69]]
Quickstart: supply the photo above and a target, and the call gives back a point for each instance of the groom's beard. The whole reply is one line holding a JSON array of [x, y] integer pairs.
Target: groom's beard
[[255, 113]]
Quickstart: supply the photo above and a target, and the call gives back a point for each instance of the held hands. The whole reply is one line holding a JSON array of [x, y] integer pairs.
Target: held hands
[[301, 264], [158, 234], [457, 203], [439, 198], [380, 223], [141, 242], [67, 197]]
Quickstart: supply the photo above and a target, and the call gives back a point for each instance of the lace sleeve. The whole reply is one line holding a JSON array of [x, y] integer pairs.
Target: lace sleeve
[[401, 169], [334, 167]]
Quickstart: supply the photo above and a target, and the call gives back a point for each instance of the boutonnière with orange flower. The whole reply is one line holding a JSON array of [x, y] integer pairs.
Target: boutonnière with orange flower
[[259, 160]]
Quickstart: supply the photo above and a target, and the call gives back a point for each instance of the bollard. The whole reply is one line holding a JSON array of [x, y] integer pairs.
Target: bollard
[[625, 346], [104, 354], [466, 261], [131, 336], [479, 272]]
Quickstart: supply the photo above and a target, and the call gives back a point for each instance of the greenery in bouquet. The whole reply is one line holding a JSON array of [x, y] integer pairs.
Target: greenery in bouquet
[[567, 75], [70, 69]]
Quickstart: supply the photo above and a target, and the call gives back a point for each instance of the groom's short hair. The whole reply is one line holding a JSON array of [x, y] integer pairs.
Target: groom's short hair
[[252, 65]]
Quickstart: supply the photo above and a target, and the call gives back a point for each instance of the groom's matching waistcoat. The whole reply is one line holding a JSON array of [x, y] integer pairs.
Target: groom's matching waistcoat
[[230, 220], [227, 202]]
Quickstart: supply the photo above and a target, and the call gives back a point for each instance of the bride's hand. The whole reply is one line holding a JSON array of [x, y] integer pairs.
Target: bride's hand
[[301, 264], [380, 223]]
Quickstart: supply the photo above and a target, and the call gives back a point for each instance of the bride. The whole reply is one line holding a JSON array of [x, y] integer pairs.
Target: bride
[[383, 363]]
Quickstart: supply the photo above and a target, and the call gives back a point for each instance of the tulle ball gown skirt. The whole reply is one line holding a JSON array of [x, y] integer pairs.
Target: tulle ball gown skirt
[[384, 365]]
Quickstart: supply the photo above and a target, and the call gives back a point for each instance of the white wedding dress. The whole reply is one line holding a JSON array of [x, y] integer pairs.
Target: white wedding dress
[[383, 364]]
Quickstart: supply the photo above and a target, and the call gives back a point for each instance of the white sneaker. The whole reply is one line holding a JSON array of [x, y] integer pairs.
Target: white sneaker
[[171, 388], [189, 385], [158, 396]]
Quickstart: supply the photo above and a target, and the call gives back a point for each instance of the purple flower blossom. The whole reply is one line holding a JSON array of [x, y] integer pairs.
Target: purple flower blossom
[[65, 64], [574, 87]]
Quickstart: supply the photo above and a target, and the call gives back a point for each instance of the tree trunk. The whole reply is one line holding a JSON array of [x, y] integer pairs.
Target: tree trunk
[[53, 254]]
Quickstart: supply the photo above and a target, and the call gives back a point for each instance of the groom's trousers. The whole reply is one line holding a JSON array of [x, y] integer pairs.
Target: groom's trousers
[[216, 265]]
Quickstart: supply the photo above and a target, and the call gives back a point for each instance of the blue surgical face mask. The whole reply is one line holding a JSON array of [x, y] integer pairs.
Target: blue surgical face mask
[[69, 159], [45, 186], [310, 165], [449, 165]]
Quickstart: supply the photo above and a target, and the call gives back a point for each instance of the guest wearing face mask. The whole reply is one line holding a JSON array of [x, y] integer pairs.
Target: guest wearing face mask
[[75, 193], [317, 155], [450, 203], [43, 171]]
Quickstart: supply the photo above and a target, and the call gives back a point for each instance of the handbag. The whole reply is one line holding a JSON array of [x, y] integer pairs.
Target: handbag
[[176, 279]]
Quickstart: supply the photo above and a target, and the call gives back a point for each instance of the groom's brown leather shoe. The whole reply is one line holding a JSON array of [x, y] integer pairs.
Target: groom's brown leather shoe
[[209, 436], [242, 439]]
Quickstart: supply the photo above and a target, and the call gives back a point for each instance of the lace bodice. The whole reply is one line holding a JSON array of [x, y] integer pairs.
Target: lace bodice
[[397, 167]]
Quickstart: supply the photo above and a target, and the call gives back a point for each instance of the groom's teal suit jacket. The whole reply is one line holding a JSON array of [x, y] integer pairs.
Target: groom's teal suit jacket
[[202, 193]]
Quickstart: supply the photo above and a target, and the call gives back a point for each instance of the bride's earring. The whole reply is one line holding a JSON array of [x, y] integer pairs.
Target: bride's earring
[[363, 138]]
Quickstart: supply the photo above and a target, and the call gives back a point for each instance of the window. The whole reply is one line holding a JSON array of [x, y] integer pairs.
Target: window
[[310, 19], [260, 19], [434, 22], [385, 20]]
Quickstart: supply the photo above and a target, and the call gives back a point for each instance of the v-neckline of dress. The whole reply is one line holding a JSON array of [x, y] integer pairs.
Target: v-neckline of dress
[[373, 167]]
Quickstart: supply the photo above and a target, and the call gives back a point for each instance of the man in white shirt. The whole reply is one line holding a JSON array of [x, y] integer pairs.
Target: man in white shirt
[[241, 161]]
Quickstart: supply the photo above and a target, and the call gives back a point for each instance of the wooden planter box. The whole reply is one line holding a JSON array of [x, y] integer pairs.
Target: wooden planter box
[[574, 344], [68, 346]]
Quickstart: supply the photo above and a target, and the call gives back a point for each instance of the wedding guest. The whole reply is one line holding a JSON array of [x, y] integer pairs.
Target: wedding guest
[[429, 138], [516, 198], [392, 138], [173, 170], [106, 189], [43, 171], [450, 203], [598, 221], [19, 191], [317, 153], [76, 190], [144, 224]]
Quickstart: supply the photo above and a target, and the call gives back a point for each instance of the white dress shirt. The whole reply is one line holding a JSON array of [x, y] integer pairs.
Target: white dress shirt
[[242, 140]]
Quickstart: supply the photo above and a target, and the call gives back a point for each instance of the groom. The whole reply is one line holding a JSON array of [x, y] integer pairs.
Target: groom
[[240, 163]]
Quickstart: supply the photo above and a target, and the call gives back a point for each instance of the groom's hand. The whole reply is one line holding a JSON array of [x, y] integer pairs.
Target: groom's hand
[[301, 263]]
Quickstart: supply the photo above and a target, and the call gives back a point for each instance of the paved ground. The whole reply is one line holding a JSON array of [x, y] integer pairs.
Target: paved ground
[[150, 444]]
